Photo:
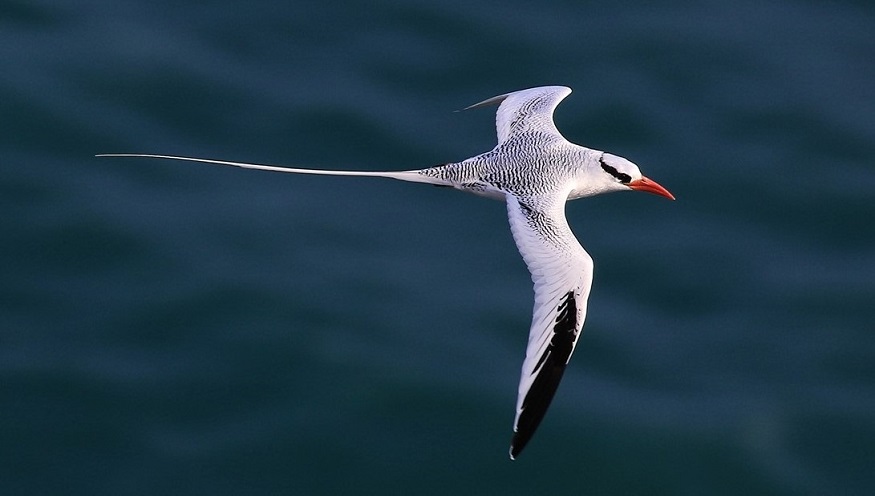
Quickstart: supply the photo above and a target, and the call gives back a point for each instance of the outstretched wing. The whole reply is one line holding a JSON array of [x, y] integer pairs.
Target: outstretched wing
[[562, 275], [526, 110]]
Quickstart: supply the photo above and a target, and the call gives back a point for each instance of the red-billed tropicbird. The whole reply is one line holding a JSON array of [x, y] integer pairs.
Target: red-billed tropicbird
[[535, 170]]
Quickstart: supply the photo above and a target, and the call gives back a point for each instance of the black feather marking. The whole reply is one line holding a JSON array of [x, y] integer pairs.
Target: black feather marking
[[622, 177], [549, 370]]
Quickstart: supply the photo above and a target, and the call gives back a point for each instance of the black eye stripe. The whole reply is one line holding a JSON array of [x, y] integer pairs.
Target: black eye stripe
[[623, 178]]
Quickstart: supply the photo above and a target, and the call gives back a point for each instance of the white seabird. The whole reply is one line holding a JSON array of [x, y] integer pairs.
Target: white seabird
[[535, 170]]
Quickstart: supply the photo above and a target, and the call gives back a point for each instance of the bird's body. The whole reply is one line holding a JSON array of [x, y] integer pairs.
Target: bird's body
[[535, 170]]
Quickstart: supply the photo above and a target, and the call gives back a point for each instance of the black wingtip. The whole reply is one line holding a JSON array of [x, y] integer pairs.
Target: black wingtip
[[550, 369], [521, 438], [496, 100], [516, 445]]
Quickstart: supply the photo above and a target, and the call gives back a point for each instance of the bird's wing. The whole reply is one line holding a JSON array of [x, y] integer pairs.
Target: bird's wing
[[526, 110], [562, 275]]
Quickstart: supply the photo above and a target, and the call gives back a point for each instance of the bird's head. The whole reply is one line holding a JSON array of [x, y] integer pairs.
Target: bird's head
[[615, 173]]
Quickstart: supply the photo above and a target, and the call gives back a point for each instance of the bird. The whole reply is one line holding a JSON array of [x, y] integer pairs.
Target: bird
[[535, 171]]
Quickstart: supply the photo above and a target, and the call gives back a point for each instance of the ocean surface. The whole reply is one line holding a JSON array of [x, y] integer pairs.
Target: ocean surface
[[178, 328]]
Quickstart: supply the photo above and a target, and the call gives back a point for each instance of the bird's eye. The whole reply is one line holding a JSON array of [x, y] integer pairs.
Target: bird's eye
[[622, 177]]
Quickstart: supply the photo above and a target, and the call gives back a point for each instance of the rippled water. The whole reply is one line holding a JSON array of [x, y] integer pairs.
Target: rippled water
[[170, 328]]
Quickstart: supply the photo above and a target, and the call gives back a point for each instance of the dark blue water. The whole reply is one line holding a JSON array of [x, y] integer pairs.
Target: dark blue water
[[172, 328]]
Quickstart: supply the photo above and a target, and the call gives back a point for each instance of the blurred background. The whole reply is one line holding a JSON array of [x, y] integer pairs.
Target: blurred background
[[178, 328]]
